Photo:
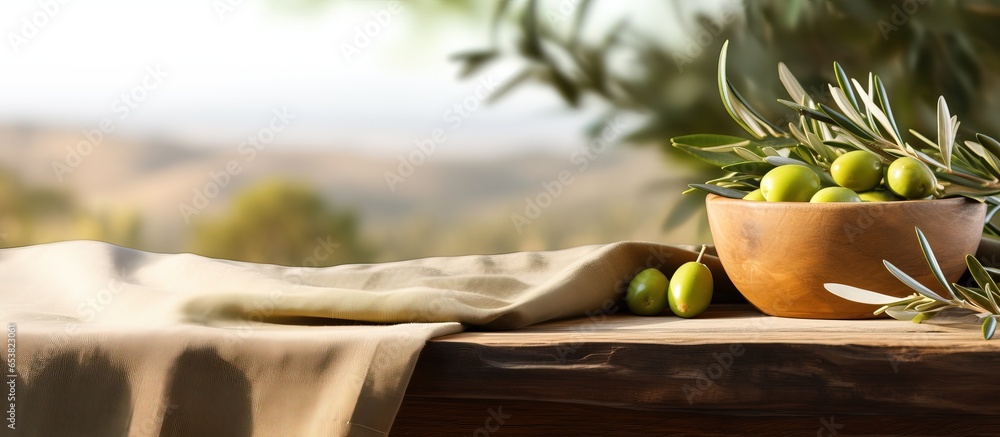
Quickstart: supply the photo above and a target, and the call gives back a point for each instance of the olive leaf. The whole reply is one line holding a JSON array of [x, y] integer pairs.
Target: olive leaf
[[721, 191], [912, 283], [860, 118], [845, 85], [946, 133], [926, 304], [989, 327], [711, 142], [883, 99], [876, 112], [989, 143], [759, 168], [727, 99], [860, 295], [808, 112], [792, 85], [933, 264]]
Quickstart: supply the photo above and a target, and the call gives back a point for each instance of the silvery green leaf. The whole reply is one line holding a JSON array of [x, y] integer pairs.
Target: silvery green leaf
[[912, 283], [808, 112], [965, 162], [956, 316], [752, 124], [868, 111], [977, 184], [758, 168], [845, 86], [847, 141], [974, 296], [816, 144], [900, 314], [775, 131], [905, 303], [727, 100], [797, 133], [924, 157], [874, 110], [846, 123], [921, 137], [991, 294], [933, 263], [782, 160], [748, 154], [986, 159], [849, 108], [946, 135], [989, 327], [886, 109], [711, 142], [732, 177], [931, 306], [721, 191], [791, 84], [717, 159], [859, 295], [989, 143], [824, 132], [770, 151], [992, 270], [984, 280]]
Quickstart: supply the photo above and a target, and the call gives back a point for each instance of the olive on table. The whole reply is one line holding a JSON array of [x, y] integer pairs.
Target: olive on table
[[691, 288], [647, 293]]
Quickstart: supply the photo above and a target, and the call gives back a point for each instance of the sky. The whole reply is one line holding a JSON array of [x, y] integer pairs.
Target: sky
[[213, 72]]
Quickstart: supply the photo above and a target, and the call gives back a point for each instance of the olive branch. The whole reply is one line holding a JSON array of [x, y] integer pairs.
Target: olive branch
[[981, 302], [858, 118]]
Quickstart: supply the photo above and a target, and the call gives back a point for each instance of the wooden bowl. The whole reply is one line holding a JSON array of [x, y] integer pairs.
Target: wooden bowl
[[779, 254]]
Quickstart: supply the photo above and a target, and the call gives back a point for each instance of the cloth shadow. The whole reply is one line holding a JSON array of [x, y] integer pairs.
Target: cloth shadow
[[74, 394], [208, 396]]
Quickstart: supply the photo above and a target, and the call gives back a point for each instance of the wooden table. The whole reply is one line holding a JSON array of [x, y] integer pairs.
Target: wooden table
[[732, 371]]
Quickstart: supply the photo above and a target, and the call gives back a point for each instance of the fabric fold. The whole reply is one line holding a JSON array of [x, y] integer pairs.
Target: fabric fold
[[199, 346]]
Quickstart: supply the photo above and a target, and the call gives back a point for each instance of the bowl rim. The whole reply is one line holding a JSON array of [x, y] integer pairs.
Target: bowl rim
[[947, 201]]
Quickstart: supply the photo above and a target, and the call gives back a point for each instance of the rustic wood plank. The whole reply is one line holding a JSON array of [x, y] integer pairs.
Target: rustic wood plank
[[732, 324], [421, 416], [733, 360]]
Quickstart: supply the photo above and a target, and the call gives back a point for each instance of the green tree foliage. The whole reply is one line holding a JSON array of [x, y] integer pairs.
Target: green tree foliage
[[35, 215], [280, 222], [920, 49]]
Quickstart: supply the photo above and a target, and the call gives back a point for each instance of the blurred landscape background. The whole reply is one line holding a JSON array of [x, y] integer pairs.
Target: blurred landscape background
[[333, 131]]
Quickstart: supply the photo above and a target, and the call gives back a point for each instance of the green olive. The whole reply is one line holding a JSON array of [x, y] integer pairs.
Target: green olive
[[647, 293], [911, 179], [691, 288], [878, 196], [789, 183], [858, 170], [835, 194], [754, 195]]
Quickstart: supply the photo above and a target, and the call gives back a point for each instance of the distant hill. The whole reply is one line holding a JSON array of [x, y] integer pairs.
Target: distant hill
[[449, 205]]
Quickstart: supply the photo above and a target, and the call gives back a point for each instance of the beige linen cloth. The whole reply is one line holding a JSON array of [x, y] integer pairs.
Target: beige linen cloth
[[115, 341]]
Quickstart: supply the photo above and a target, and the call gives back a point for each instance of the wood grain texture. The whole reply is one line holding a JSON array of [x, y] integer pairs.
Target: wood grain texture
[[428, 416], [779, 254], [733, 371]]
